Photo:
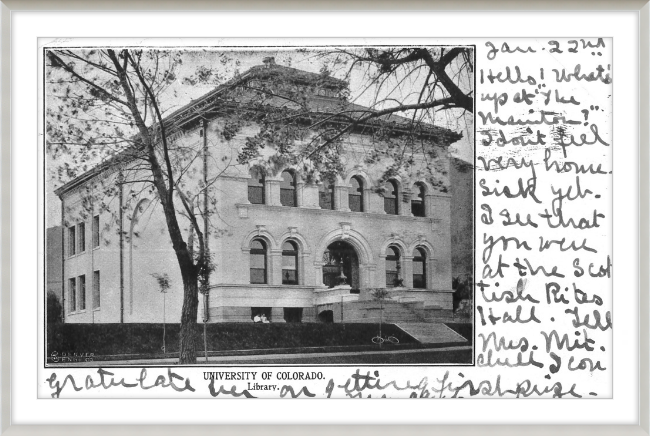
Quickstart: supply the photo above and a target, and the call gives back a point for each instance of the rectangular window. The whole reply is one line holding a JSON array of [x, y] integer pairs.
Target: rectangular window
[[391, 279], [256, 194], [293, 314], [289, 262], [355, 203], [259, 314], [390, 206], [82, 292], [417, 208], [258, 276], [72, 294], [96, 290], [289, 270], [288, 197], [96, 231], [325, 200], [326, 197], [82, 237], [419, 280], [258, 268], [72, 241]]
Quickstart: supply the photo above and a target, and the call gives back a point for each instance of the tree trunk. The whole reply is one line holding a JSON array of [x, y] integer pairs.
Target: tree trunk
[[189, 313]]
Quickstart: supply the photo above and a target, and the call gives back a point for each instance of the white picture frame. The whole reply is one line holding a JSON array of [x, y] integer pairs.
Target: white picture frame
[[366, 410]]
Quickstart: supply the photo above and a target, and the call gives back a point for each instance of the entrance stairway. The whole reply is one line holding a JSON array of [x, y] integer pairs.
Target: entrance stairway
[[425, 324]]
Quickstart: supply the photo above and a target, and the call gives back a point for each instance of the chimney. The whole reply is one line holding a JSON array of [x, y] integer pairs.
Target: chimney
[[269, 61]]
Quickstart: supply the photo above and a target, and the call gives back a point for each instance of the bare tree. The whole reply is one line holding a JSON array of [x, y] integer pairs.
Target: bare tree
[[109, 107], [439, 77], [106, 106], [403, 91]]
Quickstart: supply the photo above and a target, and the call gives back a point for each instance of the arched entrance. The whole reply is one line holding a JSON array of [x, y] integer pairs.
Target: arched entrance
[[340, 265], [326, 316]]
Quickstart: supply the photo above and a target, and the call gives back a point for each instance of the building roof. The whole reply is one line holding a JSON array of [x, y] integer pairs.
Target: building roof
[[324, 105]]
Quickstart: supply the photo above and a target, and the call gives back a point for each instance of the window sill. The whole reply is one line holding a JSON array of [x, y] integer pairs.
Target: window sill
[[245, 208], [260, 286]]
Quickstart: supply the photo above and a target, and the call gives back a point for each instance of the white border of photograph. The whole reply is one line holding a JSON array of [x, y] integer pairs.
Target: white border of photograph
[[26, 216]]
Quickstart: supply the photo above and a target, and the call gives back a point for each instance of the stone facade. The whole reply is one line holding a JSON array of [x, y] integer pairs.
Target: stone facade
[[461, 180], [109, 276]]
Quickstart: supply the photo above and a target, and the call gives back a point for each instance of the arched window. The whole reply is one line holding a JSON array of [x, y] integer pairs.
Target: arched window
[[355, 195], [258, 261], [288, 189], [419, 269], [256, 186], [417, 202], [326, 195], [289, 263], [392, 268], [391, 198]]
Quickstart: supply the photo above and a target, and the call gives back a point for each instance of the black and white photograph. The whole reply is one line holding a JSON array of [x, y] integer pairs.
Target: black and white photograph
[[260, 205]]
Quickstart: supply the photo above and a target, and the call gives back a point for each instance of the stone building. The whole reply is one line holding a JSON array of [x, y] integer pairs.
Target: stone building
[[291, 247], [461, 180]]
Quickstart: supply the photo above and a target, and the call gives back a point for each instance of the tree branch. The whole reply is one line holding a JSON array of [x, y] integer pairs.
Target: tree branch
[[59, 62]]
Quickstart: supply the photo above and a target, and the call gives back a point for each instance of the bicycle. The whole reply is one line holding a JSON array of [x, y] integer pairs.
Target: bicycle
[[379, 340]]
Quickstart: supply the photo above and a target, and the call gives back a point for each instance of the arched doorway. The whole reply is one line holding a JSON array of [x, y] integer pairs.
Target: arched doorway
[[340, 265], [326, 316]]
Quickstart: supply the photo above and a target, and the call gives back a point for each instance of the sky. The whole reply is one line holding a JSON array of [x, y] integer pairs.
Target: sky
[[227, 63]]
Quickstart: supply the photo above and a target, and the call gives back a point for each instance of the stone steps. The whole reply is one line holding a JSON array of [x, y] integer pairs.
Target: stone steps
[[431, 333], [394, 312]]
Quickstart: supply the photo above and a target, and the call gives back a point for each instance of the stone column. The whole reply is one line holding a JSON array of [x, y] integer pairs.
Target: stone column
[[380, 274], [309, 314], [368, 276], [300, 190], [407, 271], [341, 198], [429, 205], [308, 195], [430, 268], [442, 244], [375, 202], [272, 192], [405, 203], [318, 275], [274, 273], [366, 198], [302, 274], [277, 314]]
